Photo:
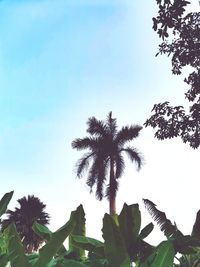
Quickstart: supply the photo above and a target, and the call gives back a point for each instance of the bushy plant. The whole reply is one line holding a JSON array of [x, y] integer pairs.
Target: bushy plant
[[123, 243]]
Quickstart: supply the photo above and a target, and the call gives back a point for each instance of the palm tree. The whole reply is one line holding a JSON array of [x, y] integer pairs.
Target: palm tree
[[31, 210], [106, 145]]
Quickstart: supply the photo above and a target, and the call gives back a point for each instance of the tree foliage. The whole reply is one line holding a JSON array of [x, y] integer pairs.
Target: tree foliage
[[30, 210], [184, 244], [123, 242], [104, 158], [180, 33]]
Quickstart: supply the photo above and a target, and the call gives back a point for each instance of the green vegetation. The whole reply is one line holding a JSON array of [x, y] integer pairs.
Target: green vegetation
[[25, 240], [30, 210], [123, 243]]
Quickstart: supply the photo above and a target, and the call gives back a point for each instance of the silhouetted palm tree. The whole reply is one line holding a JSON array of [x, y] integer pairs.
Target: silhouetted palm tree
[[106, 146], [31, 210]]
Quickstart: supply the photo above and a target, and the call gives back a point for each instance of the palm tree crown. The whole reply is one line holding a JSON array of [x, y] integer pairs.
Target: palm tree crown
[[105, 147], [31, 210]]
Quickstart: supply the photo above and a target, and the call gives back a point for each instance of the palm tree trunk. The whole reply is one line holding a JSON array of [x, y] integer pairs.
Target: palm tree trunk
[[112, 198]]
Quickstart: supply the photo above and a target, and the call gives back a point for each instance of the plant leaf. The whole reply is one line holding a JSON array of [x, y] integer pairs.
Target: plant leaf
[[129, 225], [115, 250], [196, 227], [4, 202], [47, 252], [79, 229], [72, 263], [16, 252], [46, 234], [42, 231], [89, 244], [165, 224], [146, 231], [164, 255]]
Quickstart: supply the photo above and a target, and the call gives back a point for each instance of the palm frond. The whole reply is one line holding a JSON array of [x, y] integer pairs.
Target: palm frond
[[165, 224], [111, 190], [196, 227], [100, 186], [102, 166], [111, 124], [11, 216], [92, 177], [119, 165], [96, 127], [134, 156], [127, 133], [31, 210], [93, 173], [97, 174], [85, 143], [83, 164]]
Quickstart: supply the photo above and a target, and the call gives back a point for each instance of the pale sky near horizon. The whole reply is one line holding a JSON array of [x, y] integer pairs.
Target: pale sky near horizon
[[62, 62]]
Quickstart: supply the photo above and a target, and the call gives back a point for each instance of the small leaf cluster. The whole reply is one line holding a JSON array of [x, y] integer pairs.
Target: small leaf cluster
[[180, 33], [169, 16]]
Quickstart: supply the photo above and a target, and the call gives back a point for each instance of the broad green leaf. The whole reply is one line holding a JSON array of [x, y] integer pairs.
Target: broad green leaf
[[3, 243], [32, 258], [73, 263], [129, 224], [196, 226], [42, 231], [46, 234], [147, 262], [89, 244], [79, 229], [95, 262], [3, 260], [98, 263], [146, 231], [65, 263], [16, 252], [162, 257], [4, 202], [47, 252], [3, 250], [115, 250]]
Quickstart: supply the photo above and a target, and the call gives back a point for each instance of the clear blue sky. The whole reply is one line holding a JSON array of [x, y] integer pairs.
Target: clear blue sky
[[64, 61]]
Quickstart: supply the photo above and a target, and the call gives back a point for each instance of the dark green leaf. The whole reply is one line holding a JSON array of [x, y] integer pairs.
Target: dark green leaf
[[89, 244], [129, 225], [46, 234], [47, 252], [146, 231], [4, 202], [164, 255], [72, 263], [3, 260], [42, 231], [79, 229], [196, 227], [16, 252], [115, 250]]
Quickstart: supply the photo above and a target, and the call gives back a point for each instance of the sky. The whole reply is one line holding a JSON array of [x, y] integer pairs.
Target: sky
[[64, 61]]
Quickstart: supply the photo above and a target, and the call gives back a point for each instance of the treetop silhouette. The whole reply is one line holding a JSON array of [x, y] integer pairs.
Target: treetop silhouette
[[104, 158], [31, 210]]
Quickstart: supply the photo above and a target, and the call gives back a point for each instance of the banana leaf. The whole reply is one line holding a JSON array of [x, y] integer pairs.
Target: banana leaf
[[115, 249], [16, 252]]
